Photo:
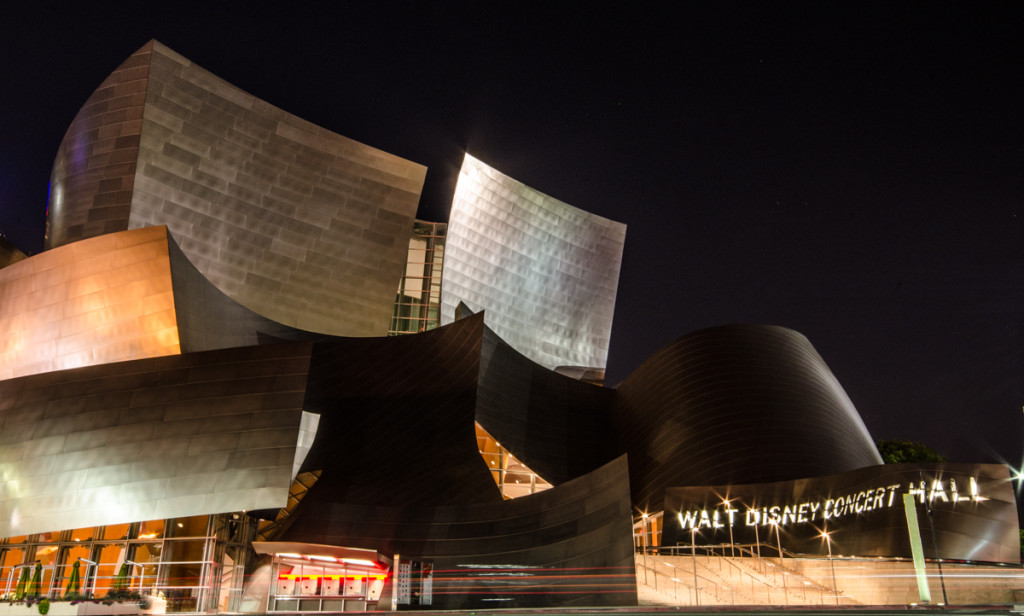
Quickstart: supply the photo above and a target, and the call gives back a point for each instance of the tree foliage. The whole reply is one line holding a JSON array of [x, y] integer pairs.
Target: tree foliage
[[895, 451]]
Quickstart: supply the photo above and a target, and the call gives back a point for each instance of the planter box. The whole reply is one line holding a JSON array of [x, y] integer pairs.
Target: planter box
[[85, 608]]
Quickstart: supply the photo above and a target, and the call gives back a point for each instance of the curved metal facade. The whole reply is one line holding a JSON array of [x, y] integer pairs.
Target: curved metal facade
[[153, 438], [299, 224], [102, 300], [570, 545], [545, 271], [556, 424], [737, 404], [94, 172], [152, 372], [386, 406]]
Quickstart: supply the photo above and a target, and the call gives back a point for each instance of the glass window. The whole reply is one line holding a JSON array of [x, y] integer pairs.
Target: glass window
[[152, 529], [9, 559], [71, 557], [116, 531], [109, 558], [83, 534], [195, 526]]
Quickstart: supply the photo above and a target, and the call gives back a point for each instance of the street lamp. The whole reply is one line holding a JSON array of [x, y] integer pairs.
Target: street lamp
[[732, 546], [643, 537], [778, 539], [693, 554], [835, 585]]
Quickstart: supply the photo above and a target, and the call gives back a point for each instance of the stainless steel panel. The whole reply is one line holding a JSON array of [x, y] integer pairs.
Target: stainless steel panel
[[72, 466], [256, 198], [545, 271], [101, 300]]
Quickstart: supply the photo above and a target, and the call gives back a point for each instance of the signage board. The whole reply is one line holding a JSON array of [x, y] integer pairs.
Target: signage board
[[967, 512]]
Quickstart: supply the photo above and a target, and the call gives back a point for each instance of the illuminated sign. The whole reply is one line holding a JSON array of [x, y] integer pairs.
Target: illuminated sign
[[809, 512], [967, 512]]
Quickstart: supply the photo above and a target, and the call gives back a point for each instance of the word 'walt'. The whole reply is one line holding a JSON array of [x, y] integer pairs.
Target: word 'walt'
[[861, 502]]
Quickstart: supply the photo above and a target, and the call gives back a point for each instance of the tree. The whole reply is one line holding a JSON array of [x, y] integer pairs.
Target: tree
[[895, 451]]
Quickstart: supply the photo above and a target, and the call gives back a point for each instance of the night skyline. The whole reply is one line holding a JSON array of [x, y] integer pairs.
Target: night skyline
[[852, 172]]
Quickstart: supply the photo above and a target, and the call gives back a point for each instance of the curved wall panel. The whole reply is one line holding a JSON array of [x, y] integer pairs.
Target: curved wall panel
[[9, 253], [96, 301], [208, 319], [397, 418], [737, 404], [570, 545], [299, 224], [556, 425], [545, 271], [94, 171], [149, 439]]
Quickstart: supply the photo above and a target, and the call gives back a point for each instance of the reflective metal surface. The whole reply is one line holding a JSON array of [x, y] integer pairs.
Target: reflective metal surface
[[299, 224], [736, 404], [101, 300], [9, 253], [154, 438], [545, 271]]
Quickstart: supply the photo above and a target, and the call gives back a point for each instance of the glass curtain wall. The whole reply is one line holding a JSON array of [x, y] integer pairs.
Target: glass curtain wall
[[193, 563], [418, 303]]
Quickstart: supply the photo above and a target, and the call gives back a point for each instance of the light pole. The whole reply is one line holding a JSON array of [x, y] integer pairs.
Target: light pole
[[757, 539], [835, 585], [643, 537], [732, 545], [778, 539], [693, 555]]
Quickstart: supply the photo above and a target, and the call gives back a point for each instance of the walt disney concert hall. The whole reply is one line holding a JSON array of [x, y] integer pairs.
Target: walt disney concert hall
[[245, 373]]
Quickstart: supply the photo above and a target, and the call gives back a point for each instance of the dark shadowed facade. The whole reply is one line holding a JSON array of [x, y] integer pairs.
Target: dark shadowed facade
[[197, 378]]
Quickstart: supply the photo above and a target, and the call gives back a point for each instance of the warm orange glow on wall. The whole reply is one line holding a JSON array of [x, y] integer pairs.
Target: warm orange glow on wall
[[96, 301]]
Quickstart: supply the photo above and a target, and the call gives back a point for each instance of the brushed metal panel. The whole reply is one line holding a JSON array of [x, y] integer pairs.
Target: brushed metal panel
[[93, 173], [194, 452], [545, 271], [570, 545], [254, 196], [9, 253], [101, 300], [737, 403]]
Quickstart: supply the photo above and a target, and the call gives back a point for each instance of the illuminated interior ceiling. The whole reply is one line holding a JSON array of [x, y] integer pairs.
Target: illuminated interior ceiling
[[101, 300], [545, 272], [269, 530], [514, 478]]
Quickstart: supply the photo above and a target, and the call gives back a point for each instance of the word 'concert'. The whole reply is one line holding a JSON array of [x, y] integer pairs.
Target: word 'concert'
[[862, 502]]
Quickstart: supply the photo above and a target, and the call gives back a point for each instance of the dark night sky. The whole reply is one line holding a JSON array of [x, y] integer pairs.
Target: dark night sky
[[854, 171]]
